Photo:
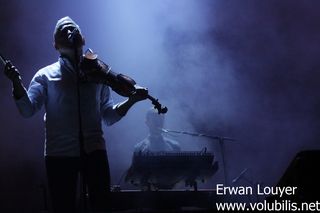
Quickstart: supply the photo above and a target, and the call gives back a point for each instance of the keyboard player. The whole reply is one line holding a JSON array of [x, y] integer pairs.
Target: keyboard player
[[155, 141]]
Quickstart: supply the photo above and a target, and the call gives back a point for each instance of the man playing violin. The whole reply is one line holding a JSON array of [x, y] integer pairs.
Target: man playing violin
[[74, 112]]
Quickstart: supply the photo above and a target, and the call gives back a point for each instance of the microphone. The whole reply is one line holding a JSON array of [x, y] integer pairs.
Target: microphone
[[240, 175], [75, 37], [164, 130]]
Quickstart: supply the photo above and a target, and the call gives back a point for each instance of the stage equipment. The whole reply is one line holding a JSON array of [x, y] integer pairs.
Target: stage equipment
[[163, 170], [303, 174], [165, 201], [221, 141]]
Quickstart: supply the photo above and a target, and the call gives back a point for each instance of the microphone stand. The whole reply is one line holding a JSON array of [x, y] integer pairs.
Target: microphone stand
[[221, 141], [252, 183], [83, 184], [240, 176]]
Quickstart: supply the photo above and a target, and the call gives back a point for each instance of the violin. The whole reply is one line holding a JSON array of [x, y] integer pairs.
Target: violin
[[95, 70]]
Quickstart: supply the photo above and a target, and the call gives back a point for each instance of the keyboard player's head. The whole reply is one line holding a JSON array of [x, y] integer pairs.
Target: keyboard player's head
[[156, 141], [154, 121]]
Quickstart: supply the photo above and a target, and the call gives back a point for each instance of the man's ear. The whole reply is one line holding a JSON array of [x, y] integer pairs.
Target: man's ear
[[83, 41]]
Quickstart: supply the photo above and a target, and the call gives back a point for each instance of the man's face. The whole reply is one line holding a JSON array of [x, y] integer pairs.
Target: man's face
[[69, 36], [155, 123]]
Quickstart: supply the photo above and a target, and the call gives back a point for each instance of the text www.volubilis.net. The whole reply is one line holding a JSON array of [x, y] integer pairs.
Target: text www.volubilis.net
[[283, 205]]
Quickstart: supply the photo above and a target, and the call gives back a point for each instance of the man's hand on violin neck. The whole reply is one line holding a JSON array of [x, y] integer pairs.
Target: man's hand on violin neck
[[141, 93]]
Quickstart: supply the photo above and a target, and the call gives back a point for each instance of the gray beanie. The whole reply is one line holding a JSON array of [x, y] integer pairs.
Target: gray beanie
[[61, 22]]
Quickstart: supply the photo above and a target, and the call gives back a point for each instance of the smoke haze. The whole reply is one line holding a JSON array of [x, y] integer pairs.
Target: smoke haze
[[247, 69]]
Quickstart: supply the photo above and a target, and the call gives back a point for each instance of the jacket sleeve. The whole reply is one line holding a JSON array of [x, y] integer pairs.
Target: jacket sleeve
[[108, 109], [33, 100]]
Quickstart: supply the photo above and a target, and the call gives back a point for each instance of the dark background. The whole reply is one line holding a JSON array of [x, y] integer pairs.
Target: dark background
[[242, 69]]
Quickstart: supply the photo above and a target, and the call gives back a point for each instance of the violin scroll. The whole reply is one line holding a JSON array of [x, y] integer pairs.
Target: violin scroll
[[157, 105]]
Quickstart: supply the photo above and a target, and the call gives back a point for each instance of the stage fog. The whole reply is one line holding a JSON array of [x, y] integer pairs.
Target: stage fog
[[246, 70]]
